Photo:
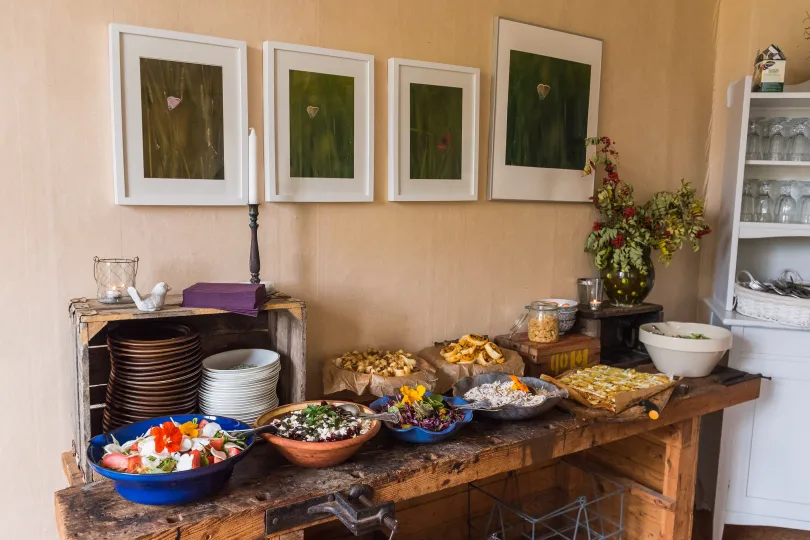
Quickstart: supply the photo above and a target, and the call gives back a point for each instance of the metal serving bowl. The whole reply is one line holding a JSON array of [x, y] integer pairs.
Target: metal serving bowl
[[510, 412]]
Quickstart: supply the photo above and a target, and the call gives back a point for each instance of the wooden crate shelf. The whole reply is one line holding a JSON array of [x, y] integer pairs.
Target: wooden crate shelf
[[280, 326]]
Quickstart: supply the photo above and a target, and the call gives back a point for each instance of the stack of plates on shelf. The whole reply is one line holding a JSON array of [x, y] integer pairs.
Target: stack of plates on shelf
[[155, 371], [240, 384]]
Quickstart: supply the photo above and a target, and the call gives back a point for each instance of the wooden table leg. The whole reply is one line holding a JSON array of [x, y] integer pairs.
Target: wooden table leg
[[680, 476]]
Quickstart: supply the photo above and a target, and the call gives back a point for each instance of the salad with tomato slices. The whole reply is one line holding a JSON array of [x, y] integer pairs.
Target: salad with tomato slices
[[172, 447]]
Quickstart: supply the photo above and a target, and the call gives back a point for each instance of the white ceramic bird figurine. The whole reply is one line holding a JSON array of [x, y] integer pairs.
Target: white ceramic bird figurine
[[154, 300]]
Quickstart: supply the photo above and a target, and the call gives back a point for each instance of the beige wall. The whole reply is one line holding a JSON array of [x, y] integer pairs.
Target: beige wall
[[744, 27], [395, 275]]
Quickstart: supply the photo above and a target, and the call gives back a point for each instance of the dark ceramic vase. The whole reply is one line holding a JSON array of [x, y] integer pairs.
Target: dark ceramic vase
[[625, 289]]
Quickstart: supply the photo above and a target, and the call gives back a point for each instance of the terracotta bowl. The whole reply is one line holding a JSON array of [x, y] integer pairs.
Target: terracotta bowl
[[315, 454]]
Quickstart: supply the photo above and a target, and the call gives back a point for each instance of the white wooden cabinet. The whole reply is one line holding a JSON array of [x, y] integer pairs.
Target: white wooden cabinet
[[764, 468]]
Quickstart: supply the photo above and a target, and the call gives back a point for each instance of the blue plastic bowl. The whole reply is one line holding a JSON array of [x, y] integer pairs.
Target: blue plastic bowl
[[169, 488], [416, 434]]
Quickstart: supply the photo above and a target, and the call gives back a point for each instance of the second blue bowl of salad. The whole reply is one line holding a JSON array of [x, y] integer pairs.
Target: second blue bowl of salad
[[204, 467], [437, 426]]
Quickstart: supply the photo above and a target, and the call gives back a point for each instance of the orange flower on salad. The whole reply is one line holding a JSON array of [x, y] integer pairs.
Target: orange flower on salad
[[412, 395], [517, 385], [167, 437], [190, 429]]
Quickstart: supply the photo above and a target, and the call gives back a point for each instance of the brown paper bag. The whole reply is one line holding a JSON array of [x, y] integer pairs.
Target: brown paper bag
[[450, 373], [624, 400], [336, 379]]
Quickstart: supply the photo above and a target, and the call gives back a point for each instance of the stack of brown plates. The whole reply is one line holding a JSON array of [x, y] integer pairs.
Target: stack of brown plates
[[155, 371]]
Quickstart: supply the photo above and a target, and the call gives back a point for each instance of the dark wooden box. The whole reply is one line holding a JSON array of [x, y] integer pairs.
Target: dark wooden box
[[571, 351]]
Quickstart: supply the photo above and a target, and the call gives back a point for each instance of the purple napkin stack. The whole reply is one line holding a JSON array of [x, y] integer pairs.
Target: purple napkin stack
[[244, 298]]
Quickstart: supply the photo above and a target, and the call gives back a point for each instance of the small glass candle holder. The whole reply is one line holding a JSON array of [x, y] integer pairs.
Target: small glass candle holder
[[113, 278], [590, 292]]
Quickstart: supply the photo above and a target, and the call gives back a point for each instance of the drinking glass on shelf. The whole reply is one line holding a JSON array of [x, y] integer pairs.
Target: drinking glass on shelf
[[747, 208], [804, 209], [799, 148], [777, 146], [754, 143], [763, 205], [785, 205]]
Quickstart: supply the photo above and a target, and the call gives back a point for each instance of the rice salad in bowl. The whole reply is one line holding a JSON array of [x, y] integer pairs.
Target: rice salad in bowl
[[510, 392]]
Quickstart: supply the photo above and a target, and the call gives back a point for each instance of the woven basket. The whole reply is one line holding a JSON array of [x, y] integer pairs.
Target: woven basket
[[771, 307]]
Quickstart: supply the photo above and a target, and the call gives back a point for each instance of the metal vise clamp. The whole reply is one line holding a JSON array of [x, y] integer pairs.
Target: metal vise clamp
[[361, 518]]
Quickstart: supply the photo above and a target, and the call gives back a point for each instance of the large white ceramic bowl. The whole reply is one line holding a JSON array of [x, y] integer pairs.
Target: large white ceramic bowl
[[685, 357]]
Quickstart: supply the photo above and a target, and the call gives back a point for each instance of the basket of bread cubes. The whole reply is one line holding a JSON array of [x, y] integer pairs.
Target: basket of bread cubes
[[470, 355], [376, 372]]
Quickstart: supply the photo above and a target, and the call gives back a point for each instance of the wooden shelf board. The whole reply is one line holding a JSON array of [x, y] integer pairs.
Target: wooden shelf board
[[94, 311], [773, 230]]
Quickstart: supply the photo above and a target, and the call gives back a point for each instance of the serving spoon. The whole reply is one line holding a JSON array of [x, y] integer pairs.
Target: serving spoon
[[355, 411]]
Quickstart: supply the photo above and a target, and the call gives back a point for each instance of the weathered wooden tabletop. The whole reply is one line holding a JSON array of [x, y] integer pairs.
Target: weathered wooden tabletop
[[397, 471]]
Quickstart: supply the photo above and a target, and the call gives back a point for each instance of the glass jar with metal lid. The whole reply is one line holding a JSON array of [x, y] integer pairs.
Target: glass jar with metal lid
[[541, 321]]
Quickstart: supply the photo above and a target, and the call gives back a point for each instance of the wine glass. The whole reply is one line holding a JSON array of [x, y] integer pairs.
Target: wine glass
[[763, 205], [747, 208], [785, 205]]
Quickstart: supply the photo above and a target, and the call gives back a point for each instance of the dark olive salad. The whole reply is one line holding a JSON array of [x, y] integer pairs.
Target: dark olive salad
[[320, 423]]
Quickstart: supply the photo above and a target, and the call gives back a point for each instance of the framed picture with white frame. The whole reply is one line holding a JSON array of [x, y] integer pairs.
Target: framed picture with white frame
[[433, 123], [179, 113], [318, 124], [545, 103]]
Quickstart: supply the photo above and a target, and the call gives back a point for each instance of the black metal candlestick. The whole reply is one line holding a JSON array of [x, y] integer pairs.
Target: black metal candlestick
[[255, 263]]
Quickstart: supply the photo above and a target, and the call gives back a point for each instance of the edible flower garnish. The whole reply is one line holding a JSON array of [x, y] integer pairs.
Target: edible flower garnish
[[167, 437], [428, 412], [189, 429], [517, 385], [173, 447], [412, 395]]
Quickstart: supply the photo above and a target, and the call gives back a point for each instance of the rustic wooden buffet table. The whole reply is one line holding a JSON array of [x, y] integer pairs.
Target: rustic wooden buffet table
[[655, 461]]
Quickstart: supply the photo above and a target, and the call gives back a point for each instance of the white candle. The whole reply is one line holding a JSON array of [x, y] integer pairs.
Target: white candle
[[113, 292], [253, 188], [595, 304]]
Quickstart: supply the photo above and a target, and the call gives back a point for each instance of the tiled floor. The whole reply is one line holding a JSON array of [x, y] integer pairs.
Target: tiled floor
[[703, 531]]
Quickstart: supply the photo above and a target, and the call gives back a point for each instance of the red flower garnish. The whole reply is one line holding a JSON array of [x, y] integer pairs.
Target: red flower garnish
[[617, 242], [629, 212], [704, 232], [597, 225], [167, 437]]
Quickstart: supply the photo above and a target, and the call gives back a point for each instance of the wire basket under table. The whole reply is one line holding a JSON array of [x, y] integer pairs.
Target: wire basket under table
[[595, 515]]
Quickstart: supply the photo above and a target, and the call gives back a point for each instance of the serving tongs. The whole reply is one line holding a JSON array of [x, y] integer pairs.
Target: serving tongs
[[483, 405]]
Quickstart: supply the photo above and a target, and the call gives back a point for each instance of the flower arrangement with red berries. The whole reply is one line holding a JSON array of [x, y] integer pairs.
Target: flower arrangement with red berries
[[626, 231]]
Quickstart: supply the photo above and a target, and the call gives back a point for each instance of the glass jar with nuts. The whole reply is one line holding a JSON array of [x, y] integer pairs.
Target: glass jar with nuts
[[544, 322]]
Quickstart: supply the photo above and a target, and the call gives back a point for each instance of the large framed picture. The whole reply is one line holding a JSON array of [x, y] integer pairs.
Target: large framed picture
[[545, 103], [432, 131], [179, 111], [318, 124]]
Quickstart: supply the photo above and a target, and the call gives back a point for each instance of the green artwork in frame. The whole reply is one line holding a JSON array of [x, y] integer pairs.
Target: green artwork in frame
[[436, 136], [182, 120], [547, 111], [321, 125]]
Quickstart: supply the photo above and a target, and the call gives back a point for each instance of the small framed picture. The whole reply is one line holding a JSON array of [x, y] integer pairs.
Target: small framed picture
[[318, 124], [179, 110], [432, 131], [545, 103]]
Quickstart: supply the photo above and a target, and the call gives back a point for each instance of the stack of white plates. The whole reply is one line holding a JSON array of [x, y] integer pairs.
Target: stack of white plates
[[240, 384]]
